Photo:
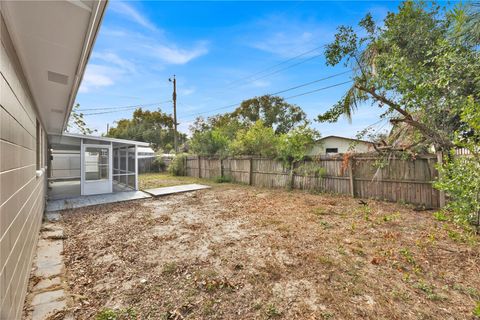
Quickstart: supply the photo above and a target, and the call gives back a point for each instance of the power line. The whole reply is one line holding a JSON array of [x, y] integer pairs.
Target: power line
[[317, 90], [311, 82], [276, 65], [125, 107], [289, 89]]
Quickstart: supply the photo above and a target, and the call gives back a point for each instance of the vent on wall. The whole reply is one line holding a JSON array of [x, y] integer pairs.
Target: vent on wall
[[57, 77]]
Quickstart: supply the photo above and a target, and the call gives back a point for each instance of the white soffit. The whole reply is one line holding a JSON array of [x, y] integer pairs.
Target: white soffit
[[53, 40]]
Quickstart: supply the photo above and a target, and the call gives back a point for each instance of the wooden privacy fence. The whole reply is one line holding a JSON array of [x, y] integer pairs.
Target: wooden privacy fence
[[397, 180]]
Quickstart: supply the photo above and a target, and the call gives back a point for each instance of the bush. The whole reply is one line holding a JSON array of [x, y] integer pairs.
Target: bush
[[223, 179], [177, 165], [460, 179], [158, 164]]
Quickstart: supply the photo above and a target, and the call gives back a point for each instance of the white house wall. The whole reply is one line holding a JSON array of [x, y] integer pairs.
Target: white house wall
[[22, 192], [343, 146]]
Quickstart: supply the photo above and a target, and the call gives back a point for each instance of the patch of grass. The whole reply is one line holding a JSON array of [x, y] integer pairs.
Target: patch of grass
[[440, 216], [117, 314], [169, 268], [476, 310], [158, 180], [408, 255], [391, 217], [326, 261], [222, 179], [429, 290], [327, 315], [469, 291], [272, 312]]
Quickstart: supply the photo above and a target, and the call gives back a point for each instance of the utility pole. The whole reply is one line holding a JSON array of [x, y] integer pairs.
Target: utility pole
[[174, 98]]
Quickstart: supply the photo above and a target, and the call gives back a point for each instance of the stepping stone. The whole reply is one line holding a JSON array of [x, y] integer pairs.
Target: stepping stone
[[48, 296], [175, 189], [45, 310]]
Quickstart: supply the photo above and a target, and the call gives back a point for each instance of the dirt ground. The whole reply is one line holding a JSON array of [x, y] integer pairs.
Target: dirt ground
[[239, 252]]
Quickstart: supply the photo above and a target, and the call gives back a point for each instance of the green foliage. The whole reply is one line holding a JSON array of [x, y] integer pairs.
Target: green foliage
[[294, 145], [476, 310], [155, 127], [77, 123], [412, 67], [460, 175], [117, 314], [273, 111], [258, 140], [224, 179], [210, 142], [310, 169], [158, 164], [177, 165]]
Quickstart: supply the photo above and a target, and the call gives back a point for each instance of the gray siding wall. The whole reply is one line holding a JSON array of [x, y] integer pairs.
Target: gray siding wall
[[22, 193]]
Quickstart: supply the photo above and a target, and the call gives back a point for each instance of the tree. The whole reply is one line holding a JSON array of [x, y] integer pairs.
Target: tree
[[77, 123], [294, 145], [273, 111], [412, 67], [460, 175], [155, 127], [258, 140]]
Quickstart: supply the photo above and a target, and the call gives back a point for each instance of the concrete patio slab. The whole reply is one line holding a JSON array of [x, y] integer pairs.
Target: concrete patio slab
[[175, 189], [85, 201]]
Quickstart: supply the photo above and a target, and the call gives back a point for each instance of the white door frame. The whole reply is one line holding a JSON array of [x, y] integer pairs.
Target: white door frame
[[95, 186]]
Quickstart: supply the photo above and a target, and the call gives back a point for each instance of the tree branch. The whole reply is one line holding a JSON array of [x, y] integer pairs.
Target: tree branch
[[426, 131]]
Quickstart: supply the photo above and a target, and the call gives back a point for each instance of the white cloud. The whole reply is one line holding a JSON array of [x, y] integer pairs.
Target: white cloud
[[260, 83], [113, 58], [96, 76], [174, 55], [132, 14], [187, 91], [287, 37]]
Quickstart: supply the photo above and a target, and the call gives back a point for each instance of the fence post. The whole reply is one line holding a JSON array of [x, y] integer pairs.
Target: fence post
[[221, 168], [250, 172], [291, 176], [199, 169], [441, 193], [351, 176], [185, 165]]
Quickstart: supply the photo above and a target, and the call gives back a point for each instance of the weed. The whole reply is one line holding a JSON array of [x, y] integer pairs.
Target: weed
[[117, 314], [391, 217], [476, 311], [325, 225], [327, 261], [169, 268], [440, 216], [429, 290], [469, 291], [223, 179], [272, 311], [408, 256], [327, 315]]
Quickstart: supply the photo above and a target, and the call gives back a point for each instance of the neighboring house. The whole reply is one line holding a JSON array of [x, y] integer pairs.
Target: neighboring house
[[45, 46], [337, 144]]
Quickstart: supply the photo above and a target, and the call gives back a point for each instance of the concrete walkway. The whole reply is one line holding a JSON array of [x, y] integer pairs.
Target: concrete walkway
[[175, 189], [84, 201], [47, 288]]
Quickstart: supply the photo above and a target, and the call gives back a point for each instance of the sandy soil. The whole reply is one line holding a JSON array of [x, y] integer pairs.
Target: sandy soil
[[235, 252]]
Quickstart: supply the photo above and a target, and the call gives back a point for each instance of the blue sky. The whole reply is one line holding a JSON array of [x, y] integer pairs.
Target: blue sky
[[214, 48]]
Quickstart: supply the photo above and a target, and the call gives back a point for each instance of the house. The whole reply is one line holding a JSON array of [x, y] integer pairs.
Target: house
[[337, 144], [45, 46]]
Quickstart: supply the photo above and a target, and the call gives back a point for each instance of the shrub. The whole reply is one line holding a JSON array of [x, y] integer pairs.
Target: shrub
[[177, 165], [158, 164]]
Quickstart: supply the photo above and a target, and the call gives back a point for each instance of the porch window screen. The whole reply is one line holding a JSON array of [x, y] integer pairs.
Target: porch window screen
[[96, 163]]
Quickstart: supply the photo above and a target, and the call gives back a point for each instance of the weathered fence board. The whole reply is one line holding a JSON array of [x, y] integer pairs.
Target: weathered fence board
[[395, 179]]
